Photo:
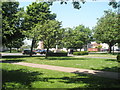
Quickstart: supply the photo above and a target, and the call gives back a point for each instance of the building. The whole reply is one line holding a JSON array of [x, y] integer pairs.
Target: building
[[40, 45]]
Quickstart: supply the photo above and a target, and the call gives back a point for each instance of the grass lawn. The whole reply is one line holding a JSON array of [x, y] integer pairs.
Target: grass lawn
[[83, 63], [13, 51], [103, 55], [16, 76]]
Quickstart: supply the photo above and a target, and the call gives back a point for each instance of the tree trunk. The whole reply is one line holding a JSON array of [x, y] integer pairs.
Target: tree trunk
[[80, 49], [48, 46], [10, 49], [17, 50], [46, 56], [110, 48], [113, 50], [32, 45]]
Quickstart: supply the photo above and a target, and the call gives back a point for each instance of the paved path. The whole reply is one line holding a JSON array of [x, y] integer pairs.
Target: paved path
[[113, 75]]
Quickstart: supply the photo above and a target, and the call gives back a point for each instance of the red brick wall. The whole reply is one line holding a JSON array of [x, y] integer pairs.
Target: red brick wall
[[92, 49]]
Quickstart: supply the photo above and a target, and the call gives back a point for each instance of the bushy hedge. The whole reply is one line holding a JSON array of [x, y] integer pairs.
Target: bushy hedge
[[118, 58], [57, 54], [81, 53]]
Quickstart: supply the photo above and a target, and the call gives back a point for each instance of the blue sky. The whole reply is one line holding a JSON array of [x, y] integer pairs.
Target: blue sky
[[71, 17]]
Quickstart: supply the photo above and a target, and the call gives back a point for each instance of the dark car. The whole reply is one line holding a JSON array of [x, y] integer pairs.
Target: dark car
[[41, 51], [118, 49], [28, 52]]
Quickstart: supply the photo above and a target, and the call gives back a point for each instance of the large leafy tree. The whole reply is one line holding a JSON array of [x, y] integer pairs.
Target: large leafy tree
[[15, 44], [67, 40], [36, 13], [50, 33], [11, 28], [82, 36], [107, 29], [77, 38]]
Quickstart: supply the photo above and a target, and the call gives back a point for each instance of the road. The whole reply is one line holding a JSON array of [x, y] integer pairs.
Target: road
[[17, 54]]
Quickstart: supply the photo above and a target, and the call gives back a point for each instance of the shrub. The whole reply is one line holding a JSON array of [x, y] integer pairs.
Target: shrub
[[118, 58], [57, 54], [62, 52], [80, 53]]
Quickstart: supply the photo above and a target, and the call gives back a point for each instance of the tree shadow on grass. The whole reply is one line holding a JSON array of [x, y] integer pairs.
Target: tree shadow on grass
[[111, 69], [22, 77], [111, 60], [94, 81], [88, 81], [65, 58]]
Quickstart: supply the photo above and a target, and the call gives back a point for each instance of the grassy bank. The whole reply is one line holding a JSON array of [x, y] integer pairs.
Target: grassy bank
[[21, 77]]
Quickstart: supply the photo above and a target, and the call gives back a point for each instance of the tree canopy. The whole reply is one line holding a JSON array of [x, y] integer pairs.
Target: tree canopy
[[107, 29], [50, 33], [36, 13], [77, 37], [11, 28]]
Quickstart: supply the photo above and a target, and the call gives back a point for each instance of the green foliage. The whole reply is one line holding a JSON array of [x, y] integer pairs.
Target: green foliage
[[77, 37], [62, 52], [107, 29], [118, 58], [11, 27], [50, 32], [80, 53], [36, 13], [100, 46]]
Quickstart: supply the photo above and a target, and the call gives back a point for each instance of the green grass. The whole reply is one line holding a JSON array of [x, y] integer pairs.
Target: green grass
[[13, 51], [16, 76], [83, 63], [103, 55]]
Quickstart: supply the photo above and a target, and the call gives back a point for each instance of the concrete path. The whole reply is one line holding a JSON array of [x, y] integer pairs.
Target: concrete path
[[113, 75]]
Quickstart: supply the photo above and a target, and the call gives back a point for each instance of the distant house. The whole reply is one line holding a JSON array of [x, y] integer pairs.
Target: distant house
[[40, 45], [92, 46]]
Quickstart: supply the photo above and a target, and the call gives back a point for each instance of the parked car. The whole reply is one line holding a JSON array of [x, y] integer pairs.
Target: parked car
[[28, 52], [42, 51], [118, 49]]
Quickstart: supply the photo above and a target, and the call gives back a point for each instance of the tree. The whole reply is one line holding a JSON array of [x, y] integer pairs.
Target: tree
[[36, 13], [83, 36], [50, 33], [68, 38], [11, 30], [15, 44], [76, 38], [107, 29]]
